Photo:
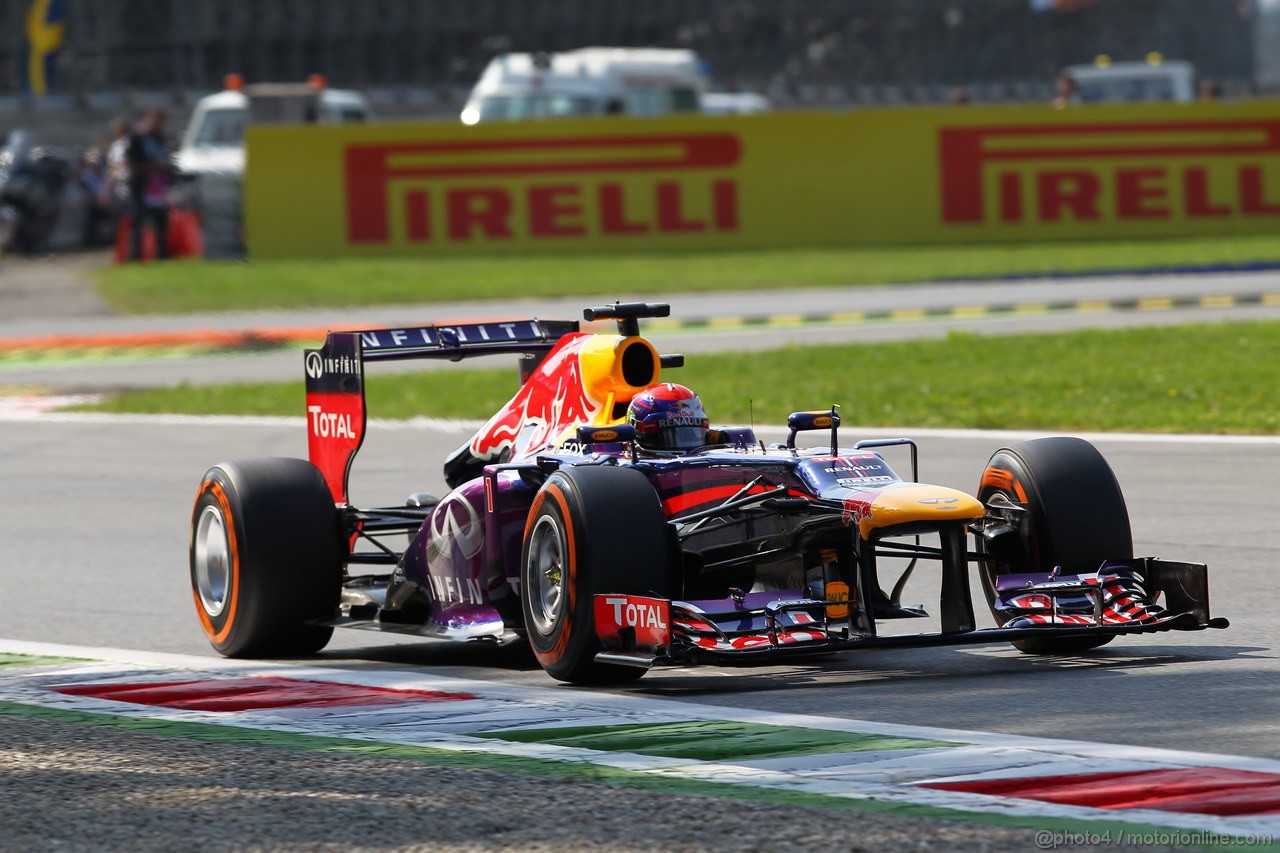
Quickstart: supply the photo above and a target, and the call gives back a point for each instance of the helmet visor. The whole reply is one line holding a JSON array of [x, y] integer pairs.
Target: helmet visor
[[675, 438]]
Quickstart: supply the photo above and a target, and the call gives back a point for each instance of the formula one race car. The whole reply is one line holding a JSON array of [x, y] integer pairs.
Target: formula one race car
[[569, 525]]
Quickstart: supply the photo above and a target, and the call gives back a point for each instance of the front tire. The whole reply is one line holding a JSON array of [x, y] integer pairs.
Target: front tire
[[1078, 518], [266, 557], [591, 529]]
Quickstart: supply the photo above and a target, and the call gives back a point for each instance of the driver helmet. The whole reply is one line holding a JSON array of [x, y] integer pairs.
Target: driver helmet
[[668, 417]]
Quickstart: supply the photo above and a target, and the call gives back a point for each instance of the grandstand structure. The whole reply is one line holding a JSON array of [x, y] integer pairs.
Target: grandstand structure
[[420, 58]]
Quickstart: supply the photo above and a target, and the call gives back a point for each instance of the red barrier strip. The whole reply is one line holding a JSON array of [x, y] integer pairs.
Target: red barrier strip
[[261, 336], [200, 337], [1201, 790], [248, 694]]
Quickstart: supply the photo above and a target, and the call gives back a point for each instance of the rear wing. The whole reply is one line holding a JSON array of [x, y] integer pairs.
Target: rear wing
[[335, 376]]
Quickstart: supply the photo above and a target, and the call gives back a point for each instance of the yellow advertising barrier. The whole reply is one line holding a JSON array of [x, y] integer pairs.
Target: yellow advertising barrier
[[926, 175]]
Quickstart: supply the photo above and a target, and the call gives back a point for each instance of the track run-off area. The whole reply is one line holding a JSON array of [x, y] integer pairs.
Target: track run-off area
[[1168, 733], [103, 352]]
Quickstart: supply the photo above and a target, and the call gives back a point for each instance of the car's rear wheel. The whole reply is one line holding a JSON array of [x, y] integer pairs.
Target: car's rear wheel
[[1078, 518], [266, 557], [591, 529]]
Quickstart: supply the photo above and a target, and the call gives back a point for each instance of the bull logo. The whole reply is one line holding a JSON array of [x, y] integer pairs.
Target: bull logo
[[857, 510], [550, 402]]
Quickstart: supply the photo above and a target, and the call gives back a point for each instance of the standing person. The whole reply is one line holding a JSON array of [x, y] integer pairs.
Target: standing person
[[115, 190], [1066, 92], [150, 174], [99, 216]]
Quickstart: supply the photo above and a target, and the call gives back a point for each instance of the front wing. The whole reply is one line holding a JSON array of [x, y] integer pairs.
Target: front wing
[[764, 627]]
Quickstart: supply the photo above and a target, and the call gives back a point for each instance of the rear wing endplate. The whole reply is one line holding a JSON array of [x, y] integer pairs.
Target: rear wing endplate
[[335, 376]]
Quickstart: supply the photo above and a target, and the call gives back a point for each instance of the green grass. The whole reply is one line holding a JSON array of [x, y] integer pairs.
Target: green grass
[[234, 285], [1209, 378]]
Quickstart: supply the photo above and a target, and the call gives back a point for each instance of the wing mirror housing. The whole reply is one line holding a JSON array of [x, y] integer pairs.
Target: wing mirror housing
[[799, 422], [620, 434]]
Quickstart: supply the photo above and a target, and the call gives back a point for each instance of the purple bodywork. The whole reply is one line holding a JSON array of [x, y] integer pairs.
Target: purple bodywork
[[463, 556]]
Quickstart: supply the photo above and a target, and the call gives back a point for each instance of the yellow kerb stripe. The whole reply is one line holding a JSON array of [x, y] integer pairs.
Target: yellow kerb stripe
[[848, 317]]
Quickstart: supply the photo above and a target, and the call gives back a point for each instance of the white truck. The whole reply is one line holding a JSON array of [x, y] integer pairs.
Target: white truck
[[597, 81], [214, 138], [1106, 82], [212, 151]]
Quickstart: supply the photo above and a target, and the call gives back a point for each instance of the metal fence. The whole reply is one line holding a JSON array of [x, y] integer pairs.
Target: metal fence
[[799, 51]]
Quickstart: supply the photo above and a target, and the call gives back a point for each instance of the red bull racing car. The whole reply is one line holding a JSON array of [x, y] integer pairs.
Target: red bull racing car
[[598, 515]]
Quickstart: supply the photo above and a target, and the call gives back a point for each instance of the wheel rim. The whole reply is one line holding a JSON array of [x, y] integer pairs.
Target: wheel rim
[[212, 561], [546, 574]]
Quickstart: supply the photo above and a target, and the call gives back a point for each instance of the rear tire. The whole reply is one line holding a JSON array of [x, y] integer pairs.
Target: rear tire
[[591, 529], [1078, 518], [266, 557]]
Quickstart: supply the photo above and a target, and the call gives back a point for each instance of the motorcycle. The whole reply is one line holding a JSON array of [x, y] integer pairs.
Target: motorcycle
[[32, 181]]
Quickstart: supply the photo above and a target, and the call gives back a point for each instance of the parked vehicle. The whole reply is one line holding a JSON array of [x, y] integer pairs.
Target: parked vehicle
[[590, 81], [1127, 82], [214, 137], [212, 155]]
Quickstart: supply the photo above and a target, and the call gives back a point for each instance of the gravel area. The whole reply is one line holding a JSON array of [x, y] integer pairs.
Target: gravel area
[[52, 286], [70, 787]]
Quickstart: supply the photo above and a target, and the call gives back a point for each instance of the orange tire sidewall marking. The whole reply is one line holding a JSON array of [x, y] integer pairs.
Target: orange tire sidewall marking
[[568, 579], [213, 487], [999, 478]]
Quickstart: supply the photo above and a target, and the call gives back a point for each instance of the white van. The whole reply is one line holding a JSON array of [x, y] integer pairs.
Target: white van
[[1125, 82], [212, 153], [214, 138], [589, 81]]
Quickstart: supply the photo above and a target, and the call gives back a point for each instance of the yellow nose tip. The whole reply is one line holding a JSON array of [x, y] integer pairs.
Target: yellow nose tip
[[909, 502]]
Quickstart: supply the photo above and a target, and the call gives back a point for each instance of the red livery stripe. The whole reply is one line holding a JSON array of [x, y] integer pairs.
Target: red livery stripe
[[711, 494]]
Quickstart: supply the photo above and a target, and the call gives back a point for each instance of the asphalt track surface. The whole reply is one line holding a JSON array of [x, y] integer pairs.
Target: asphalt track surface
[[95, 537], [739, 321]]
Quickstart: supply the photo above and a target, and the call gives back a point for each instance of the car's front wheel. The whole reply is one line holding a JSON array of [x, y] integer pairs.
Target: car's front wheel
[[1078, 518], [591, 529], [266, 556]]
